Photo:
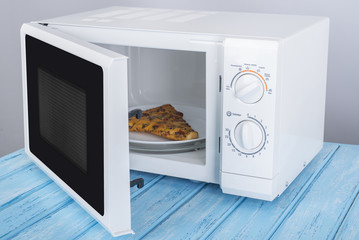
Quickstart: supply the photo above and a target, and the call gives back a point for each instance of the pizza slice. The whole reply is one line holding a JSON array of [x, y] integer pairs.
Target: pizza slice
[[164, 121]]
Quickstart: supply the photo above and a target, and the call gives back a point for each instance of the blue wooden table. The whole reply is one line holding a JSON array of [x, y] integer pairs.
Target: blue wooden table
[[320, 204]]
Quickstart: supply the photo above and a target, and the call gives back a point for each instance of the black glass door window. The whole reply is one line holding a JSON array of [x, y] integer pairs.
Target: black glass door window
[[65, 111]]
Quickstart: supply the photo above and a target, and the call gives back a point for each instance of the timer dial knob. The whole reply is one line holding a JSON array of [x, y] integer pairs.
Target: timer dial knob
[[249, 88], [248, 135]]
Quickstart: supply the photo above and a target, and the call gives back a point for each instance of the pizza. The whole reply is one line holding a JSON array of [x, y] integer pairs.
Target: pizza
[[164, 121]]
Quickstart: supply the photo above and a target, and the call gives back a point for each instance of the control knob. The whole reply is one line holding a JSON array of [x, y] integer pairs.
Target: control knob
[[249, 135], [249, 88]]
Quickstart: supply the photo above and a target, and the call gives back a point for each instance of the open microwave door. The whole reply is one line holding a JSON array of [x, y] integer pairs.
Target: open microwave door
[[76, 121]]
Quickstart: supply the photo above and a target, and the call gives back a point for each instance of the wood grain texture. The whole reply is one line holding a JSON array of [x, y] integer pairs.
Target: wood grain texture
[[322, 203], [194, 218], [66, 221], [13, 163], [147, 209], [349, 226], [318, 212], [25, 213], [254, 219], [21, 182], [15, 154]]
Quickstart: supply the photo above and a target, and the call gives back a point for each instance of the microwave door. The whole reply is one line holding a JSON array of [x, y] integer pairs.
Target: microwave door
[[76, 121]]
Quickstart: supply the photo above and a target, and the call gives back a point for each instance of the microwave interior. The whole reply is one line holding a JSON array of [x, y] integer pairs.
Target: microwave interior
[[166, 76]]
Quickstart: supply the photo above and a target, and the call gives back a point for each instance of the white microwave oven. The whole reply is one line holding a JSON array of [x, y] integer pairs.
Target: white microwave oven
[[252, 85]]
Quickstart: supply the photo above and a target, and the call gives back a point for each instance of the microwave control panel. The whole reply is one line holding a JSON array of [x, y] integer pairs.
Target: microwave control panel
[[248, 107]]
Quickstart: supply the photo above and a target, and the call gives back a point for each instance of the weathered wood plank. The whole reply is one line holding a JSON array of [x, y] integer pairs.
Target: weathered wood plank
[[149, 180], [25, 212], [317, 213], [164, 199], [11, 163], [253, 219], [349, 227], [147, 210], [194, 218], [165, 208], [64, 223], [12, 155], [20, 183], [26, 182]]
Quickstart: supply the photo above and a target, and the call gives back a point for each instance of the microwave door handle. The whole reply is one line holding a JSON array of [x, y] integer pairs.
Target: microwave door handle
[[137, 112]]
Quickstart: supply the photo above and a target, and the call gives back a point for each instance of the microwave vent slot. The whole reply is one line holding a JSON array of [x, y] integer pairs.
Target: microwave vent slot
[[220, 83]]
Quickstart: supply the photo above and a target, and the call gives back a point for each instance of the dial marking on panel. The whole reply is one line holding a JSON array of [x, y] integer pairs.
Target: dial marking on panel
[[249, 86], [258, 75], [248, 137]]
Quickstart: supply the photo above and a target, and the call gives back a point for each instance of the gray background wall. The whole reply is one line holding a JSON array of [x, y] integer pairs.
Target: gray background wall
[[342, 110]]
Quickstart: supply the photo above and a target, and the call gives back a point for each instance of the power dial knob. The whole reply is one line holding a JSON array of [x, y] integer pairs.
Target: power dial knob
[[249, 88], [249, 136]]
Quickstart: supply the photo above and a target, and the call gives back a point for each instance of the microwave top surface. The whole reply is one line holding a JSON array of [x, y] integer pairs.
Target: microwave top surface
[[250, 25]]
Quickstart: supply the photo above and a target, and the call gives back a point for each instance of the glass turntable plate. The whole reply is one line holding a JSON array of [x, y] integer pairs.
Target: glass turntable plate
[[148, 143]]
